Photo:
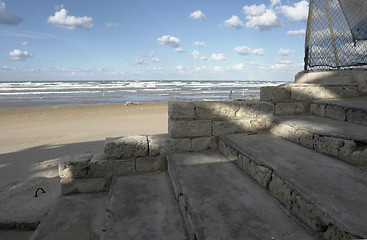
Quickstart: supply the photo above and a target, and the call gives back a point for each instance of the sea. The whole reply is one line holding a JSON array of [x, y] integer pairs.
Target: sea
[[58, 93]]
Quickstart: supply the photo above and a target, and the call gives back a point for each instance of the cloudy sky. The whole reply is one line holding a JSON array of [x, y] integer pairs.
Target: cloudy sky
[[145, 39]]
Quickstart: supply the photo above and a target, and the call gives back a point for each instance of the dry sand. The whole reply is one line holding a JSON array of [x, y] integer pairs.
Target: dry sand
[[33, 139]]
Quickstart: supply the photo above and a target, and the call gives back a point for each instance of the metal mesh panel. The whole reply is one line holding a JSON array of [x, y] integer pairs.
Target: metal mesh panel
[[330, 41]]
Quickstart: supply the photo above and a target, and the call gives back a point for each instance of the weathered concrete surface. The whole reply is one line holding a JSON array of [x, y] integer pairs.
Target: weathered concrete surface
[[219, 202], [20, 209], [325, 127], [320, 190], [74, 166], [143, 207], [78, 216], [342, 77], [126, 147], [351, 110]]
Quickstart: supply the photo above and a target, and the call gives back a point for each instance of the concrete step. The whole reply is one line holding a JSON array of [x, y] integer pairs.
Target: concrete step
[[343, 140], [350, 110], [143, 207], [218, 201], [78, 216], [327, 194]]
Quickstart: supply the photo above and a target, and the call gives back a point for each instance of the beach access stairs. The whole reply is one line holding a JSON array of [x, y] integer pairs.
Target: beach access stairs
[[290, 166]]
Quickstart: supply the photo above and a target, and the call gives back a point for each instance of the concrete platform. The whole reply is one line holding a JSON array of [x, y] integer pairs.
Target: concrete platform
[[143, 207], [219, 201], [350, 110], [78, 216], [327, 194]]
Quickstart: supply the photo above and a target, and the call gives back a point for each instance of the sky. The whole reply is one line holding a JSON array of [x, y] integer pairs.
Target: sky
[[152, 39]]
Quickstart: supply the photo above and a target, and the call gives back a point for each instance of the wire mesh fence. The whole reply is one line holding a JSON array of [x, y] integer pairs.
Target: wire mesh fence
[[336, 35]]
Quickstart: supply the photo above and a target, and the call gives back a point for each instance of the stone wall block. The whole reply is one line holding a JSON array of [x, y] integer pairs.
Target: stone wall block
[[357, 116], [283, 130], [86, 185], [181, 110], [150, 164], [290, 108], [231, 126], [281, 191], [253, 109], [261, 174], [204, 143], [335, 112], [328, 145], [75, 166], [189, 128], [216, 110], [304, 138], [126, 147], [101, 167], [275, 93], [317, 109], [228, 152], [157, 144]]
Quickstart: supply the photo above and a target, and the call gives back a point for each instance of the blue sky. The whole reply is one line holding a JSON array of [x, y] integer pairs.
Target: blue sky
[[145, 39]]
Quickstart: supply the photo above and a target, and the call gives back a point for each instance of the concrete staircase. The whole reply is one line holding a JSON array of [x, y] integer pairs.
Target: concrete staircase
[[273, 176]]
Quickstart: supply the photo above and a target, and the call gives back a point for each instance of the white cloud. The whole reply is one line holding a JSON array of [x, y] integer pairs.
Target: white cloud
[[284, 52], [8, 17], [18, 55], [198, 15], [199, 44], [197, 56], [297, 12], [111, 25], [139, 62], [24, 44], [259, 51], [179, 50], [168, 40], [7, 68], [274, 2], [245, 50], [156, 60], [61, 19], [263, 22], [254, 10], [217, 57], [237, 66], [298, 33], [234, 22], [180, 68], [218, 68]]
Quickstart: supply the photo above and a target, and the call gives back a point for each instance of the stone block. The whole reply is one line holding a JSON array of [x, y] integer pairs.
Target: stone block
[[253, 109], [243, 162], [203, 143], [189, 128], [216, 110], [75, 166], [353, 154], [85, 185], [231, 126], [261, 174], [228, 152], [327, 145], [283, 130], [290, 108], [101, 167], [275, 93], [304, 138], [163, 145], [181, 110], [357, 116], [126, 147], [281, 191], [335, 112], [317, 109], [150, 164]]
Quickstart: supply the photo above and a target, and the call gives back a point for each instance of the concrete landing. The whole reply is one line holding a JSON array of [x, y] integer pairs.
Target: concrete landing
[[325, 127], [143, 207], [78, 216], [329, 195], [219, 201], [351, 110]]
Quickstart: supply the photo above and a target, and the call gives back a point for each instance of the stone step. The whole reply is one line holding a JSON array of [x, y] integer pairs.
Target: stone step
[[143, 207], [78, 216], [350, 110], [219, 201], [343, 140], [327, 194]]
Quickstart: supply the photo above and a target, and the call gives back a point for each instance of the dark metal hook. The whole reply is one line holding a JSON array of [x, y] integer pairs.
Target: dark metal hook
[[43, 191]]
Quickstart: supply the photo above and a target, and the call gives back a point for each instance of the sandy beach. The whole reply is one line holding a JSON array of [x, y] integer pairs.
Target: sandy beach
[[33, 139]]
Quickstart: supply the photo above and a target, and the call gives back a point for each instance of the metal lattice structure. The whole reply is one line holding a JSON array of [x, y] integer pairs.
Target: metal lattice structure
[[336, 36]]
